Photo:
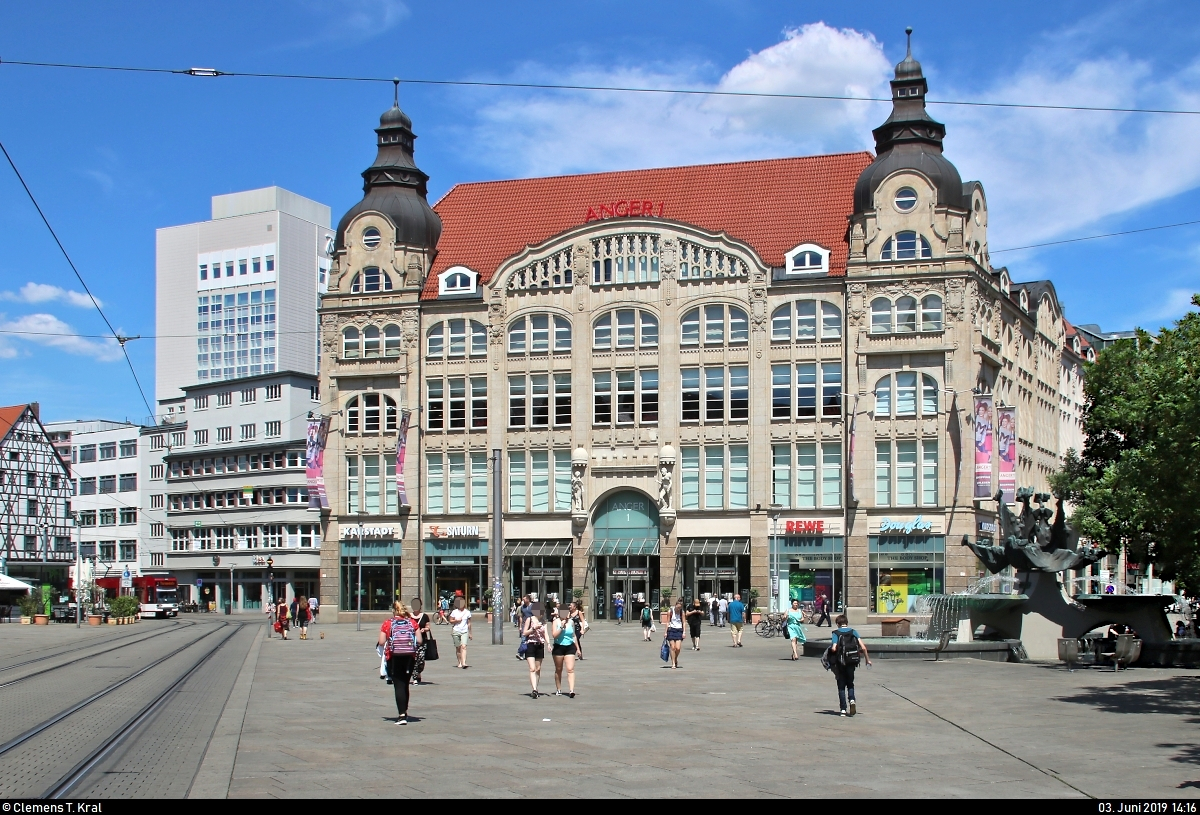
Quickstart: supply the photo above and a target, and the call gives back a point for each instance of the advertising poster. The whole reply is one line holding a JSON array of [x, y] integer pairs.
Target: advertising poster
[[983, 446], [918, 582], [1006, 448], [314, 463], [401, 446], [800, 586], [891, 595]]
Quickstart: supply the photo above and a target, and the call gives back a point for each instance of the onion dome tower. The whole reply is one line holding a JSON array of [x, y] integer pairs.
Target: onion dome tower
[[910, 140], [395, 187]]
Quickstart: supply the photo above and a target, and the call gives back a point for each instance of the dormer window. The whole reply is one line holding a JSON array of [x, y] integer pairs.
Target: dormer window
[[1075, 345], [1005, 288], [1024, 300], [457, 280], [808, 258], [906, 246]]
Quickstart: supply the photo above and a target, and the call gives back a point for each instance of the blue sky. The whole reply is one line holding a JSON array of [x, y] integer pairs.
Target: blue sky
[[112, 157]]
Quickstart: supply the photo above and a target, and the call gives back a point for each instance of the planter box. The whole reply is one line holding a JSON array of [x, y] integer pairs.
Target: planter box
[[755, 618], [26, 621], [95, 619], [41, 619], [664, 617], [111, 621]]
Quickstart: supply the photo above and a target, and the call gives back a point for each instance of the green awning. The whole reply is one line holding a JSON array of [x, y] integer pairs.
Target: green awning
[[625, 546], [712, 546]]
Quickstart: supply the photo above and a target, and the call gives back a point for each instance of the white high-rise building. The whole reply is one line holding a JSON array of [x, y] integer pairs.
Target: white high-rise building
[[237, 295]]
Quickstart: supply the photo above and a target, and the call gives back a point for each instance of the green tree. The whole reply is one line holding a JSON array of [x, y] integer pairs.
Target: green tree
[[1137, 480]]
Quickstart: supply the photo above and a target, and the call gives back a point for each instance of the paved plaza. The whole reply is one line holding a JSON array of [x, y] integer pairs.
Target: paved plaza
[[312, 719]]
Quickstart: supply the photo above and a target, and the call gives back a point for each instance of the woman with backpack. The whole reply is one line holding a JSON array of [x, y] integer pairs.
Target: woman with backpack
[[844, 658], [534, 634], [383, 646], [403, 642], [283, 617], [647, 622], [795, 628], [303, 616], [564, 652]]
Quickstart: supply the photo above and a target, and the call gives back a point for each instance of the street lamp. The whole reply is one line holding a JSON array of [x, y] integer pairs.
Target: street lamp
[[78, 570], [270, 591], [358, 589]]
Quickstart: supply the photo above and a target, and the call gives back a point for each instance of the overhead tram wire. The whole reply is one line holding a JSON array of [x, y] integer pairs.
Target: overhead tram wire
[[120, 338], [213, 73]]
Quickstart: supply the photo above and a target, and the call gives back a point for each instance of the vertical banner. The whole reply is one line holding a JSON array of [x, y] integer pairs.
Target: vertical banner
[[850, 453], [401, 445], [983, 446], [314, 463], [1006, 447]]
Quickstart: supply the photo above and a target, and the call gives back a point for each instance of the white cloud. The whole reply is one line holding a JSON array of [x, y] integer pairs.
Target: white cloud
[[46, 329], [574, 131], [1173, 305], [350, 21], [45, 293]]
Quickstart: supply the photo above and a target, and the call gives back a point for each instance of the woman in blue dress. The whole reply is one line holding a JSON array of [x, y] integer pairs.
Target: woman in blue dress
[[795, 628]]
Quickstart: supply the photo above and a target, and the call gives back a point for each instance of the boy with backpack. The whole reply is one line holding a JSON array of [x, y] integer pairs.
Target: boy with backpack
[[845, 653]]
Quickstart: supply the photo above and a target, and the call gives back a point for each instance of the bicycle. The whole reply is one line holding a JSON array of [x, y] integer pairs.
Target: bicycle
[[774, 623]]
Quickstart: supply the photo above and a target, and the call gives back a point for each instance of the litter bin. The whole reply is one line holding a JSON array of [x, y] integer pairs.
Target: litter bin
[[896, 627]]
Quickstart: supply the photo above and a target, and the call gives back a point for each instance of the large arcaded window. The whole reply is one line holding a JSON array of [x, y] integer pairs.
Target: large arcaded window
[[897, 395], [370, 413], [625, 328], [906, 246], [905, 315], [715, 324], [539, 334], [456, 338], [370, 279], [806, 320]]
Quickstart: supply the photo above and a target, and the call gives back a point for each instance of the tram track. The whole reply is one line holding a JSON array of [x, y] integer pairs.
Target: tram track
[[65, 651], [71, 780], [102, 652], [41, 727]]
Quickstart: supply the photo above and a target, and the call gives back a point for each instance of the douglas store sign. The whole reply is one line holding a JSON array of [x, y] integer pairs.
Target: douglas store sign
[[920, 525]]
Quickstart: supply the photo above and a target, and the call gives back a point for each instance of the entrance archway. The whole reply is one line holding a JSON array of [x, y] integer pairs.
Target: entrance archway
[[625, 553]]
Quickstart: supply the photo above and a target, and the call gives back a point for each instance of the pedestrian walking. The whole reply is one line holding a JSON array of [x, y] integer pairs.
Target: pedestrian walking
[[314, 606], [581, 627], [675, 633], [383, 646], [443, 607], [723, 608], [845, 653], [822, 605], [619, 608], [736, 612], [533, 634], [420, 621], [1180, 630], [795, 628], [460, 618], [283, 617], [564, 652], [647, 622], [405, 640], [303, 615], [695, 619], [715, 610], [295, 606]]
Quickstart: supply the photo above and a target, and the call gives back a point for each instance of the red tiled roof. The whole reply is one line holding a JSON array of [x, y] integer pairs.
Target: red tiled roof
[[1071, 332], [8, 417], [773, 205]]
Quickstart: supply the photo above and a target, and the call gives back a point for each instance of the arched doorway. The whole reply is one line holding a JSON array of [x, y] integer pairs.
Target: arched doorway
[[624, 553]]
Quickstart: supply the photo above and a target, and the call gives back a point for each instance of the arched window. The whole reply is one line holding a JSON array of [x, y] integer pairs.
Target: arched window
[[881, 316], [800, 319], [371, 413], [896, 395], [391, 340], [538, 334], [931, 313], [906, 246], [350, 343], [459, 281], [634, 329], [906, 315], [370, 279], [370, 342], [716, 324], [466, 338]]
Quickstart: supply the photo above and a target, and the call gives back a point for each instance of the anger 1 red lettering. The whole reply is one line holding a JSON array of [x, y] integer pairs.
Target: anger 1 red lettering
[[606, 208], [635, 207], [592, 215], [619, 206]]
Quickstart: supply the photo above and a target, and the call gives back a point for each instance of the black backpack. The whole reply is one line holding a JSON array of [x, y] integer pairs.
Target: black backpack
[[847, 649]]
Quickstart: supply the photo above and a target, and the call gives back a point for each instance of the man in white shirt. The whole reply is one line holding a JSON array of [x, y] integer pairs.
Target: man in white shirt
[[723, 607], [460, 618]]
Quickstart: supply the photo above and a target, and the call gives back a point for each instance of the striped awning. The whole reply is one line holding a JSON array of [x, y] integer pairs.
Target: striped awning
[[537, 548], [712, 546], [625, 546]]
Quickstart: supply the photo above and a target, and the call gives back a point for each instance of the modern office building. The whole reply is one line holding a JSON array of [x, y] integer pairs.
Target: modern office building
[[106, 482], [237, 295], [35, 503], [768, 376], [227, 493]]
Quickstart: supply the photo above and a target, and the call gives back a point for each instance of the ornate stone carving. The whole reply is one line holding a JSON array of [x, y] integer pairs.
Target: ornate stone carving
[[954, 299], [665, 485], [856, 307], [857, 242], [496, 313], [410, 328]]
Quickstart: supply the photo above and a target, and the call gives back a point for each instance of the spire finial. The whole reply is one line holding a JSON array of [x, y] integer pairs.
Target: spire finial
[[908, 33], [396, 89]]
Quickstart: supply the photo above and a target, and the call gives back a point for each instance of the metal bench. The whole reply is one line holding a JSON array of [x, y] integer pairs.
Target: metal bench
[[943, 643], [1126, 650]]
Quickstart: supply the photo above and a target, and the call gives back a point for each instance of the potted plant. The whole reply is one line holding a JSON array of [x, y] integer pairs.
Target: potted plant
[[487, 600], [31, 605], [664, 606], [755, 611], [124, 609], [578, 595]]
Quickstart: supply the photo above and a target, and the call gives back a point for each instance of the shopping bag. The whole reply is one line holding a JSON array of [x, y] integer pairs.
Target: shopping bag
[[664, 653], [278, 627], [431, 652]]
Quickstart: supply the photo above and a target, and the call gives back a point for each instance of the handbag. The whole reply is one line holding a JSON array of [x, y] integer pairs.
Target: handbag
[[278, 626], [522, 648], [431, 652], [664, 653]]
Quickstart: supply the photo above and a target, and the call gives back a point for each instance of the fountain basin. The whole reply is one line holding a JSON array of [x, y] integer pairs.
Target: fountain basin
[[907, 648]]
